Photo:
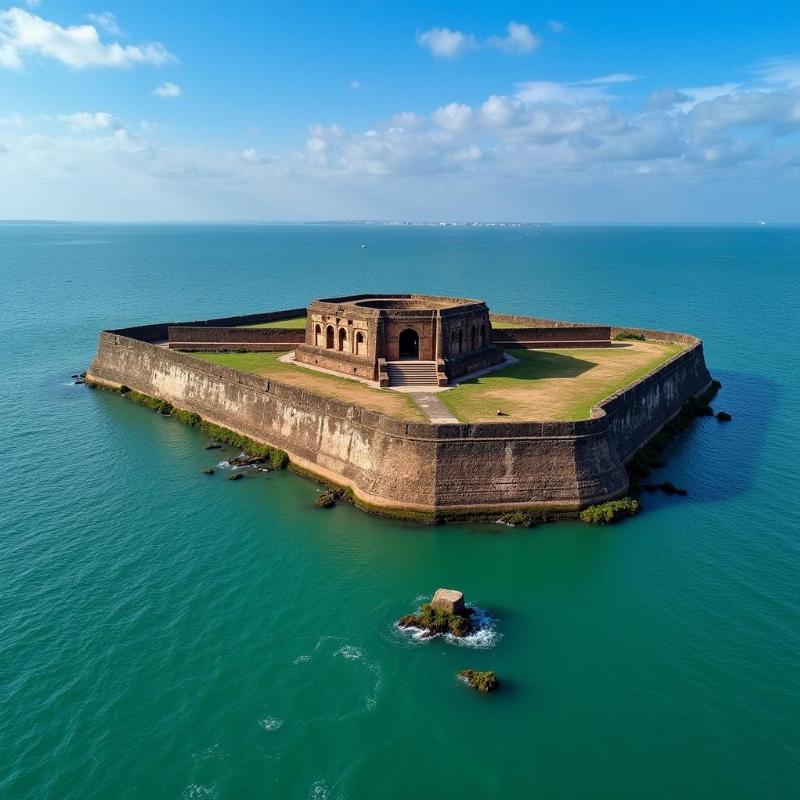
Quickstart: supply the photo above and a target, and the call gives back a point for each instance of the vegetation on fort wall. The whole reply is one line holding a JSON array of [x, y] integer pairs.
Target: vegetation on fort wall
[[278, 459], [612, 511], [624, 336]]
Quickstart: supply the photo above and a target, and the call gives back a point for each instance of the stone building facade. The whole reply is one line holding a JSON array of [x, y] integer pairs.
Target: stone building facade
[[359, 334]]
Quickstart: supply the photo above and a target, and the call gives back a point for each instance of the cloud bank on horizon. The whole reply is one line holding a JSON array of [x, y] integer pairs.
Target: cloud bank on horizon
[[504, 142]]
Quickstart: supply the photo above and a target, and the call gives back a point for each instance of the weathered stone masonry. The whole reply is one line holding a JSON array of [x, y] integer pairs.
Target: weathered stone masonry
[[404, 466]]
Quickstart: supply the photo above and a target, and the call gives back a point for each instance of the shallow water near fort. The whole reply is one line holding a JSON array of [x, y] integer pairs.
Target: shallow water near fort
[[168, 634]]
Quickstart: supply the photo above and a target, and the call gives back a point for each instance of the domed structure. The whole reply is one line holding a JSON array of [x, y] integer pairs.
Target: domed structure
[[399, 338]]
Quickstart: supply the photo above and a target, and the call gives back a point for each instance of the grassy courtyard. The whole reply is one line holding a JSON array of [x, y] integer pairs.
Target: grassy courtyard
[[555, 384], [295, 323], [268, 365]]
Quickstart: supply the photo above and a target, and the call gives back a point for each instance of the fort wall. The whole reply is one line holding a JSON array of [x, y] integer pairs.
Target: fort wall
[[408, 468]]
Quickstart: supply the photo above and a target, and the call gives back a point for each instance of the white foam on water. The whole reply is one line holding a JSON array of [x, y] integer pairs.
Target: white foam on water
[[349, 652], [271, 723], [194, 791], [319, 791], [302, 660]]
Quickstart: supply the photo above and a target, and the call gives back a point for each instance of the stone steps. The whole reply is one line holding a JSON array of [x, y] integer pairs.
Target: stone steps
[[411, 373]]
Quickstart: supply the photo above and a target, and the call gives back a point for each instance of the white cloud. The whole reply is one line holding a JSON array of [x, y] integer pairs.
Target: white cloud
[[355, 86], [33, 3], [518, 39], [548, 135], [783, 70], [556, 25], [704, 94], [406, 119], [614, 77], [444, 43], [24, 35], [167, 89], [453, 117], [89, 121], [107, 21]]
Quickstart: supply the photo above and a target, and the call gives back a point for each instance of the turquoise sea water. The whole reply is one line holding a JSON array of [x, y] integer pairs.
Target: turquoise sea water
[[164, 634]]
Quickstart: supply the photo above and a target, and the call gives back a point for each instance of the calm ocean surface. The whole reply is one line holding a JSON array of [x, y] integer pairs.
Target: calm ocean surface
[[168, 635]]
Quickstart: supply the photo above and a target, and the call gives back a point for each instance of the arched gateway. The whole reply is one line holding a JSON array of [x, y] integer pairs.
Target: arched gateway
[[409, 345]]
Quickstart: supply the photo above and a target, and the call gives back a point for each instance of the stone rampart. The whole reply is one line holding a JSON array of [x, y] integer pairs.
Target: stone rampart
[[206, 337], [412, 468]]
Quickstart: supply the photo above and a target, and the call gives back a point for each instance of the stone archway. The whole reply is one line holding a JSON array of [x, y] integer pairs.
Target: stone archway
[[409, 345]]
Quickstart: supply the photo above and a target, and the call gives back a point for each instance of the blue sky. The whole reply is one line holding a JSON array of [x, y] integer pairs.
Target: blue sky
[[559, 112]]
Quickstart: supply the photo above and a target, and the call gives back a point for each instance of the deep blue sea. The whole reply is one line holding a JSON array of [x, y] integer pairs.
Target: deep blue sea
[[164, 634]]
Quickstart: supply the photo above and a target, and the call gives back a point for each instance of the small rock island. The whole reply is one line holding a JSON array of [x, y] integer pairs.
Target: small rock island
[[422, 407]]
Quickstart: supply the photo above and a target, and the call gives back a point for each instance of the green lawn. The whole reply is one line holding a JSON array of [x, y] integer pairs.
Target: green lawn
[[294, 323], [555, 384], [340, 388], [498, 324]]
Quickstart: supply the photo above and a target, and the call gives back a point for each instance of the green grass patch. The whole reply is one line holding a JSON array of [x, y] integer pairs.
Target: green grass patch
[[554, 384], [500, 325], [295, 323]]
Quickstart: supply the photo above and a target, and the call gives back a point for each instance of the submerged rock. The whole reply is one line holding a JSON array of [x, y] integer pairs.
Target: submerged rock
[[246, 461], [724, 416], [213, 446], [667, 487], [237, 476], [484, 682], [329, 498], [208, 471]]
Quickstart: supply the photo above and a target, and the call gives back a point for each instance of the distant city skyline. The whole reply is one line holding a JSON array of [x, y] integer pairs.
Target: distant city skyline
[[502, 112]]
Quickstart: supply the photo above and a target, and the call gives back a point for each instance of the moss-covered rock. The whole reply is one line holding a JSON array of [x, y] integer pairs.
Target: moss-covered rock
[[612, 511], [518, 519], [484, 682], [331, 496], [433, 621]]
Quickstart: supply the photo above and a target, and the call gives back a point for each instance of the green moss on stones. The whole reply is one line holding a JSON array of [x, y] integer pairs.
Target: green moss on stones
[[520, 519], [484, 682], [612, 511], [433, 621], [627, 335]]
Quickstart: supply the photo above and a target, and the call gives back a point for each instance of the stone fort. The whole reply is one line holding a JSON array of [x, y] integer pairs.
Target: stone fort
[[429, 471]]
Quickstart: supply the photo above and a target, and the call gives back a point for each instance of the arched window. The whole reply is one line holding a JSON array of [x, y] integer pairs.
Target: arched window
[[460, 341], [342, 339], [318, 336], [483, 336], [473, 338], [329, 337], [361, 344]]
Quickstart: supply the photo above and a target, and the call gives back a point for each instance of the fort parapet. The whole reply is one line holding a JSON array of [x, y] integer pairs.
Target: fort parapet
[[415, 469]]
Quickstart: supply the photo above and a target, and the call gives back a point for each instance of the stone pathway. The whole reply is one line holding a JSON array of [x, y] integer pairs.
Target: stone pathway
[[432, 407]]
